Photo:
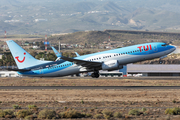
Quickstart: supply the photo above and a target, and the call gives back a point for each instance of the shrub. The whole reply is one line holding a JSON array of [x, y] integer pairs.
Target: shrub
[[71, 114], [6, 114], [173, 111], [29, 117], [117, 115], [134, 112], [16, 107], [174, 101], [23, 113], [97, 116], [107, 114], [82, 102], [61, 115], [92, 109], [34, 107], [47, 114], [169, 111], [1, 114], [144, 109], [88, 115]]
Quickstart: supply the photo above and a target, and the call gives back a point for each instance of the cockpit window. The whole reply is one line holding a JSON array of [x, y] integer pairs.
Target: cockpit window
[[164, 45]]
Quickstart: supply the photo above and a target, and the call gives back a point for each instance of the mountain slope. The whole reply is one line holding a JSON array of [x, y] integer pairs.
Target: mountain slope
[[154, 19]]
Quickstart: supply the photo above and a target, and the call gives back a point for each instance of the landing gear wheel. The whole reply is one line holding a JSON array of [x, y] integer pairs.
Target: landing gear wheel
[[92, 75], [95, 74]]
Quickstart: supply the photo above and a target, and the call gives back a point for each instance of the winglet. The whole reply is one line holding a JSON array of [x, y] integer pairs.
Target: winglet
[[56, 52], [77, 54]]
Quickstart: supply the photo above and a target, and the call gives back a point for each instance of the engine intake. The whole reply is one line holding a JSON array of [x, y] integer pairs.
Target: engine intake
[[111, 65]]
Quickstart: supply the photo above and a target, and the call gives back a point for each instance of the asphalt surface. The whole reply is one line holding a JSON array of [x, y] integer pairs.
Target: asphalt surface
[[89, 87], [121, 78]]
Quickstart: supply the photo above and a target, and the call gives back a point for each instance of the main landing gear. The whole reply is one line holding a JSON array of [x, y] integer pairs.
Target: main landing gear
[[95, 74]]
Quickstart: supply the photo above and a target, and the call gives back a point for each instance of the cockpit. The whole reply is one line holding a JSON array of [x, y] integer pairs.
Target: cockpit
[[165, 44]]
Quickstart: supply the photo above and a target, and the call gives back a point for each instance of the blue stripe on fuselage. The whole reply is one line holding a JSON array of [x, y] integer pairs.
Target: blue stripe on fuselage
[[47, 70]]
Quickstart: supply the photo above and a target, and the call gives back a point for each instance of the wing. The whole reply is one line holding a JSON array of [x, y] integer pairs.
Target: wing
[[84, 63]]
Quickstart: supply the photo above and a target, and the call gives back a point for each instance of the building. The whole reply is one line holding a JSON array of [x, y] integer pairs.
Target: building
[[9, 74], [110, 74], [154, 69]]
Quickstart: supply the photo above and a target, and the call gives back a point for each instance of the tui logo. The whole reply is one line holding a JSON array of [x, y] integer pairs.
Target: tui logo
[[149, 47], [20, 61]]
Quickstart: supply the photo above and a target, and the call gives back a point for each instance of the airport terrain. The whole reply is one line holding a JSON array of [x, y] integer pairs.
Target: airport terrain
[[154, 102]]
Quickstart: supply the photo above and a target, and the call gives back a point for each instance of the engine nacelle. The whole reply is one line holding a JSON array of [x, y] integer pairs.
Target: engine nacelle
[[111, 65]]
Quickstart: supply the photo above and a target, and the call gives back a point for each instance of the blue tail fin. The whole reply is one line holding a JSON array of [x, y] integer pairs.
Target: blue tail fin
[[22, 58]]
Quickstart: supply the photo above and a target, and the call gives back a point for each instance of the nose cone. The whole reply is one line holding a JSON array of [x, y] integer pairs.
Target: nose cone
[[172, 48]]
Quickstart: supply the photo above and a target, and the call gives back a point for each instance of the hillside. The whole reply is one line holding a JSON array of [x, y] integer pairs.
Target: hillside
[[92, 37], [154, 19], [98, 37], [49, 17]]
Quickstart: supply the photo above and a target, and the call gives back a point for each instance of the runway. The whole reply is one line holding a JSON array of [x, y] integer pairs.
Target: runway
[[89, 87]]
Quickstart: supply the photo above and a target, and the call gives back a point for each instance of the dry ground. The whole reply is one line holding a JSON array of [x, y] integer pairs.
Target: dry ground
[[88, 81], [94, 101]]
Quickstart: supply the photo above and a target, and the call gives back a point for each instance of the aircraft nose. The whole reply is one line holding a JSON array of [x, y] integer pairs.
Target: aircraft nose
[[172, 47]]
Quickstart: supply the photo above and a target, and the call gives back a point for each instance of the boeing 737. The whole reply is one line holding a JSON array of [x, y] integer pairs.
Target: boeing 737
[[106, 60]]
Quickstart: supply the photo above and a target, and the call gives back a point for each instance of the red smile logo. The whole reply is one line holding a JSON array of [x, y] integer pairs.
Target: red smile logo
[[20, 61]]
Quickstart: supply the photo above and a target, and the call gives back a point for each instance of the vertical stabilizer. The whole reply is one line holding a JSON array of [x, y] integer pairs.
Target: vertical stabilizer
[[22, 58]]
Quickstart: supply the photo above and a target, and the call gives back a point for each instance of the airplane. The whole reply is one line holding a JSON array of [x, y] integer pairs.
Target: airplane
[[105, 60]]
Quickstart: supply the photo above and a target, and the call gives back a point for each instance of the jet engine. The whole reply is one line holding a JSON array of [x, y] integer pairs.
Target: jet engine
[[111, 65]]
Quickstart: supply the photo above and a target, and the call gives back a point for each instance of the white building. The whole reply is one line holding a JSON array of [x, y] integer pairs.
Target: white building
[[9, 74]]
